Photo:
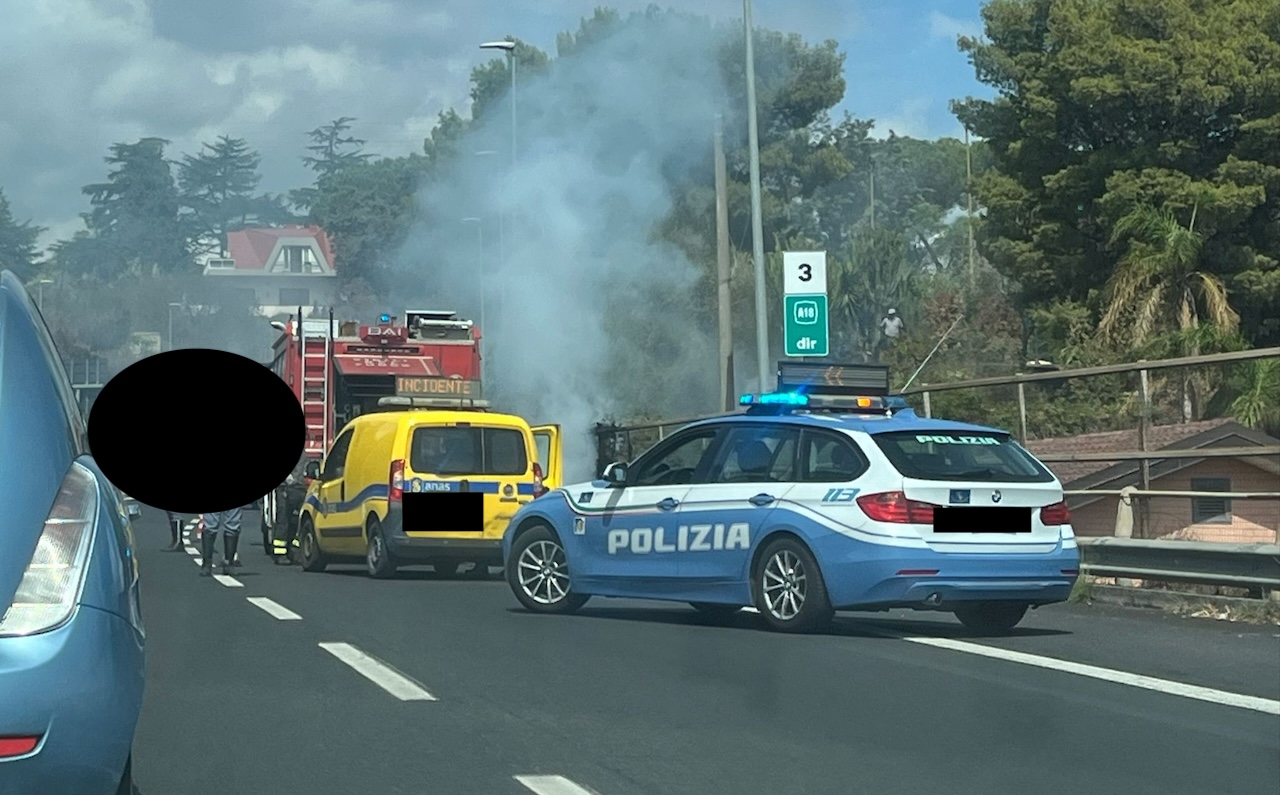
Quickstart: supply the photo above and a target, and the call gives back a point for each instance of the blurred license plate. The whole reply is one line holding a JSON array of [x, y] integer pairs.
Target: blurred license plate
[[444, 512], [981, 520]]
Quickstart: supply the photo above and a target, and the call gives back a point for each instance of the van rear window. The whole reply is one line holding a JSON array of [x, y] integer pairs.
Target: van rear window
[[952, 455], [470, 450]]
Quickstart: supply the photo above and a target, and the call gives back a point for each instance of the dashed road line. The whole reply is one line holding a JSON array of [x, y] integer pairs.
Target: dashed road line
[[1105, 674], [378, 672], [192, 550], [553, 785], [230, 582], [274, 609]]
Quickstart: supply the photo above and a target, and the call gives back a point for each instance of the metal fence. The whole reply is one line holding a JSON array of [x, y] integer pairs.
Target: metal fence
[[1254, 567]]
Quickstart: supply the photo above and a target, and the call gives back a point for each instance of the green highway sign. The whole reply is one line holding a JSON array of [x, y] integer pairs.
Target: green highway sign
[[805, 318]]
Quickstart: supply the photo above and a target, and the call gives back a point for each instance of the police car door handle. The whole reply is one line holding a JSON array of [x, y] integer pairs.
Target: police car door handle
[[668, 504], [762, 499]]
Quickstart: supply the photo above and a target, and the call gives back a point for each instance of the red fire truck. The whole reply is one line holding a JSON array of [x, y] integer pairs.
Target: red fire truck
[[339, 369]]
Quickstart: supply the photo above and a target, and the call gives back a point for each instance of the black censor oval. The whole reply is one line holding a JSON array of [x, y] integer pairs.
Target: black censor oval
[[196, 431]]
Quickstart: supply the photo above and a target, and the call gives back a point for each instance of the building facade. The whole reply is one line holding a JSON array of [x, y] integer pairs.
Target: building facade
[[277, 269]]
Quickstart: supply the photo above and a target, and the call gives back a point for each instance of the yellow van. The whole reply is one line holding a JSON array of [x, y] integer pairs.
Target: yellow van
[[354, 508]]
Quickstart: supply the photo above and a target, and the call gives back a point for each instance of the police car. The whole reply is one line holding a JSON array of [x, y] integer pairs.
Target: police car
[[827, 495]]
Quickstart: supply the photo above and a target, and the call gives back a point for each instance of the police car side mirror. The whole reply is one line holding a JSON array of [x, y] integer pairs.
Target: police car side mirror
[[616, 474], [313, 470]]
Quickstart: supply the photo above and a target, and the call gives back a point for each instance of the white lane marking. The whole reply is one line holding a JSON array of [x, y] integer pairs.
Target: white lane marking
[[199, 561], [1106, 674], [274, 609], [230, 582], [192, 550], [755, 610], [378, 672], [553, 785]]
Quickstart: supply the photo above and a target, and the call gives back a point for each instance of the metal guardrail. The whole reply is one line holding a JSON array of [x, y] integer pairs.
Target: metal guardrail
[[1252, 566]]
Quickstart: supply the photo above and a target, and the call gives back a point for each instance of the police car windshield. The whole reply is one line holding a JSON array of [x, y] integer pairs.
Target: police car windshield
[[472, 450], [948, 455]]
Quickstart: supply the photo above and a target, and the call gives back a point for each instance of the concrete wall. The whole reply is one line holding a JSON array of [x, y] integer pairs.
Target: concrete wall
[[1252, 521]]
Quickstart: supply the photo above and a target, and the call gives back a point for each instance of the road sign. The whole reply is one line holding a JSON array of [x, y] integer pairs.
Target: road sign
[[804, 273], [805, 325]]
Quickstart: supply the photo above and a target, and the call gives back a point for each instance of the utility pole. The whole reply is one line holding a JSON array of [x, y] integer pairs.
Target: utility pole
[[723, 272], [968, 189], [757, 224], [873, 192]]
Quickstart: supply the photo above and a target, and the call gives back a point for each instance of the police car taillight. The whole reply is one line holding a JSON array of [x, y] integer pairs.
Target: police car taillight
[[396, 492], [895, 508], [538, 489], [1055, 514]]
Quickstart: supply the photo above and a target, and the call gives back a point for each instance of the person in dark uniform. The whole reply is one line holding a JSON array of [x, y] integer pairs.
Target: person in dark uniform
[[175, 532], [295, 493]]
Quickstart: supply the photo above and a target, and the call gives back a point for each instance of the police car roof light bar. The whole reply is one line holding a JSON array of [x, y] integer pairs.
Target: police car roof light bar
[[776, 403], [834, 379]]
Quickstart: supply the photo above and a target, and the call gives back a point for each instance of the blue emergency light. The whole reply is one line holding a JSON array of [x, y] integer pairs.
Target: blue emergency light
[[384, 319], [775, 399]]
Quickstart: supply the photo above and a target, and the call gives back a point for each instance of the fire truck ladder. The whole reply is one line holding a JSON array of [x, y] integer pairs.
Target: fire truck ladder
[[316, 334]]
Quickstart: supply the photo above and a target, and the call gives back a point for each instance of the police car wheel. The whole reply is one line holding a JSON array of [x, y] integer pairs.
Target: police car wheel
[[788, 589], [312, 558], [991, 618], [377, 557], [538, 573]]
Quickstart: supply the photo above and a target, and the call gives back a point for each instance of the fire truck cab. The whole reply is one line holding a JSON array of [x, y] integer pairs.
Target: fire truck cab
[[340, 370]]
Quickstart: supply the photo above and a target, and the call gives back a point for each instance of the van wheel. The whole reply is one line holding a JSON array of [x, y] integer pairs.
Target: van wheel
[[446, 568], [312, 558], [377, 557], [538, 573], [788, 589], [991, 618]]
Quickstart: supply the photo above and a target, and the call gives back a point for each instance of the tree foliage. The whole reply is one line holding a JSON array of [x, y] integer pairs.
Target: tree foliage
[[1105, 105], [18, 252], [218, 191], [135, 223]]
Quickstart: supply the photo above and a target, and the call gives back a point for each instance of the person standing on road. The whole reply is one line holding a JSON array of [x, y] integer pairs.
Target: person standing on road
[[229, 523], [175, 530]]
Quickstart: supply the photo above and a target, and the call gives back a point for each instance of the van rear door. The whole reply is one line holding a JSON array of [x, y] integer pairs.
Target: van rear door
[[550, 455]]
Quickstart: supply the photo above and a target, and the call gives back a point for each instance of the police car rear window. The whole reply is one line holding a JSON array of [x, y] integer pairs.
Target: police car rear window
[[950, 455], [472, 450]]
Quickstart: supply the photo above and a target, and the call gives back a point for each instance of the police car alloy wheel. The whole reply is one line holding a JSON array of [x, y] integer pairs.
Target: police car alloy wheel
[[991, 618], [788, 589], [538, 573]]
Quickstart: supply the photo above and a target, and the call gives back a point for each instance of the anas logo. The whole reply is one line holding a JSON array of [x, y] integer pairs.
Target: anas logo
[[995, 496], [688, 538]]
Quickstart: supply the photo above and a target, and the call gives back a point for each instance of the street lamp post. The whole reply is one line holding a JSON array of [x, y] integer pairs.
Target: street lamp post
[[172, 306], [757, 224], [480, 272], [40, 300], [510, 48]]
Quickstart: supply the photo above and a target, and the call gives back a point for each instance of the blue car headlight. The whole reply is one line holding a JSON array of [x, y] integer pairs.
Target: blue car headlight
[[53, 579]]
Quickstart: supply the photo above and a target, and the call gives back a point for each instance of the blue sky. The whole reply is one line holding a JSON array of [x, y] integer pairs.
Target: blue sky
[[82, 74]]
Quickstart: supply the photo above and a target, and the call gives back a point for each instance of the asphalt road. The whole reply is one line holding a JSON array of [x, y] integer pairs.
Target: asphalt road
[[462, 692]]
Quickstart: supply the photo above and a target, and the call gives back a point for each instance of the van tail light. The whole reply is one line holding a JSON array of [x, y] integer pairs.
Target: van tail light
[[894, 507], [1056, 514], [538, 488], [396, 492], [50, 586]]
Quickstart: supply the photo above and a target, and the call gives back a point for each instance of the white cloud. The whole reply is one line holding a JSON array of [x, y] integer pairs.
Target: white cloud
[[909, 118], [943, 26]]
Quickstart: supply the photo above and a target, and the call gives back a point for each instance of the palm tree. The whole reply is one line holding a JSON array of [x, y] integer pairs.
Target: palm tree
[[1158, 286]]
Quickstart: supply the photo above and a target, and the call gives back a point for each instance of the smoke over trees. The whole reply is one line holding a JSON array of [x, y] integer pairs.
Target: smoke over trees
[[600, 240]]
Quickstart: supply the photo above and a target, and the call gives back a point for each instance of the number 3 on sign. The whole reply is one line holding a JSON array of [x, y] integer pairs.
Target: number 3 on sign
[[804, 272]]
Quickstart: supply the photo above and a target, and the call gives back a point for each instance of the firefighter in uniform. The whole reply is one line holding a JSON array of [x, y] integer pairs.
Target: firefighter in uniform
[[285, 539]]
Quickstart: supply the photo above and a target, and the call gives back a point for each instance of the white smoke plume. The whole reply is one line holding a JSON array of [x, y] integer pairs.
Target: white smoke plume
[[588, 313]]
